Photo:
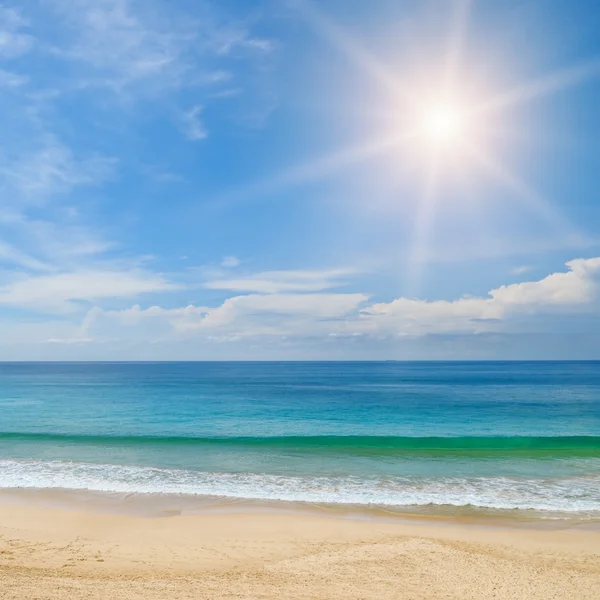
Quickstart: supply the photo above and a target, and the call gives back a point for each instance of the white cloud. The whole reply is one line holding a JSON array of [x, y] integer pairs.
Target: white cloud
[[69, 341], [13, 41], [12, 256], [12, 80], [61, 291], [193, 126], [53, 169], [129, 42], [230, 262], [249, 315], [578, 285], [271, 282], [520, 270], [322, 315], [56, 244], [575, 289], [60, 256], [319, 306], [113, 38], [306, 310], [406, 316], [297, 319]]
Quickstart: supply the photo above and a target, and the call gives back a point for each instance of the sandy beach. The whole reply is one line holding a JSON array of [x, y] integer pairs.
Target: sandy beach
[[51, 553]]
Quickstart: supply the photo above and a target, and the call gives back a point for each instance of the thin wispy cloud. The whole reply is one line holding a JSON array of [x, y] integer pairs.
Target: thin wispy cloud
[[53, 169], [192, 124], [520, 270], [148, 48], [270, 282], [14, 37], [230, 262], [122, 45], [12, 80], [11, 256], [62, 291], [62, 243]]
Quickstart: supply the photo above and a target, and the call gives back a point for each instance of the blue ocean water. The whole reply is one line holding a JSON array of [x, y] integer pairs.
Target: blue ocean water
[[506, 436]]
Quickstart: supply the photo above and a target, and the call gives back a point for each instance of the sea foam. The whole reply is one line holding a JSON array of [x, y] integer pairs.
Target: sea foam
[[565, 495]]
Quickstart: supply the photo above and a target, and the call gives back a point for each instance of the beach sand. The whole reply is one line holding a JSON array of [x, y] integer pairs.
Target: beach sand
[[51, 553]]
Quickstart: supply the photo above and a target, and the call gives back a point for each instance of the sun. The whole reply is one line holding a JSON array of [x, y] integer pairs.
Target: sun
[[443, 124], [443, 121]]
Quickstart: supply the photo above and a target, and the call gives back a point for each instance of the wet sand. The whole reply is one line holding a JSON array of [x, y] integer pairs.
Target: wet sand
[[52, 553]]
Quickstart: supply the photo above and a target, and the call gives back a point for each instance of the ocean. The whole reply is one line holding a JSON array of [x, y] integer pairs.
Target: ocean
[[502, 438]]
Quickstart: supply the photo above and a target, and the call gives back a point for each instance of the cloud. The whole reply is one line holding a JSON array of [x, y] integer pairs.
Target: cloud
[[118, 42], [69, 341], [13, 41], [65, 115], [193, 126], [233, 37], [12, 80], [575, 289], [577, 286], [322, 315], [270, 282], [405, 316], [348, 324], [53, 169], [247, 316], [294, 305], [230, 262], [520, 270], [56, 244], [62, 291], [12, 256], [151, 45], [319, 306]]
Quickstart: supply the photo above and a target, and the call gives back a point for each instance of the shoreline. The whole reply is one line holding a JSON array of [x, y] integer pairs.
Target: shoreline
[[52, 553], [172, 505]]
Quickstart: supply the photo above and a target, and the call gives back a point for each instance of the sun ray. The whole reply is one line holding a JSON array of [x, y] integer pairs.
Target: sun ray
[[543, 86], [422, 228], [442, 113], [533, 200], [350, 47], [318, 169], [456, 41]]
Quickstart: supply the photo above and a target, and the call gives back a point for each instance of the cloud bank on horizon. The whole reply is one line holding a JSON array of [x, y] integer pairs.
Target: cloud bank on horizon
[[224, 181]]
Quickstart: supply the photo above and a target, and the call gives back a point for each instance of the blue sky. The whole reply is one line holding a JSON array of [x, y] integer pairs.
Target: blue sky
[[269, 179]]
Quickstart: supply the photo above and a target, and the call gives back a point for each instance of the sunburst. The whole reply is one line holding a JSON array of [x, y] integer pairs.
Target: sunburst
[[442, 123]]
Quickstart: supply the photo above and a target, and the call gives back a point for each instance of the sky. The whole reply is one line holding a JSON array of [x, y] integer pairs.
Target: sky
[[299, 179]]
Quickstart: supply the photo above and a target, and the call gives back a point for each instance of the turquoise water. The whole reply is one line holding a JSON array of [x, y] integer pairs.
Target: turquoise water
[[415, 436]]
